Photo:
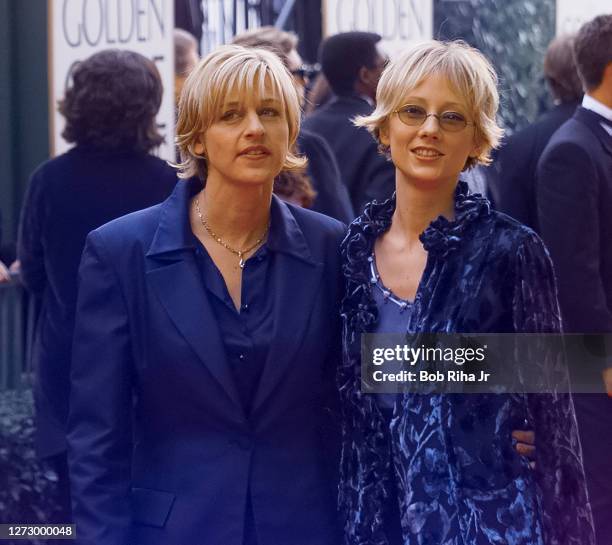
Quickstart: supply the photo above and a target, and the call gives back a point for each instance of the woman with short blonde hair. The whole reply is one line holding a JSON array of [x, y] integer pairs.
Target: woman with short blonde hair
[[207, 335], [242, 70], [467, 70], [441, 468]]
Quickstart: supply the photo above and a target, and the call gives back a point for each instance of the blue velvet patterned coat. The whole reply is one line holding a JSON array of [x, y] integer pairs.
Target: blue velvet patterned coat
[[459, 479]]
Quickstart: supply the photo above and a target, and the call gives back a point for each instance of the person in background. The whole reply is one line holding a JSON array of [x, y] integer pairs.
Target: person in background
[[185, 58], [352, 64], [108, 173], [331, 196], [295, 188], [513, 185], [574, 201], [189, 16], [441, 468], [319, 94]]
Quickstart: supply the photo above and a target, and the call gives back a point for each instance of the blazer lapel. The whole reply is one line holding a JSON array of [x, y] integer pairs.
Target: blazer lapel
[[176, 280], [296, 280], [179, 288]]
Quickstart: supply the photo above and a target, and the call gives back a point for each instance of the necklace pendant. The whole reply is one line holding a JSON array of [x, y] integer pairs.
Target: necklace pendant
[[241, 263]]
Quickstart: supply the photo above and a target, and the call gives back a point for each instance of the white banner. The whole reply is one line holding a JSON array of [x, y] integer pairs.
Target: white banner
[[399, 22], [79, 28], [221, 17], [571, 14]]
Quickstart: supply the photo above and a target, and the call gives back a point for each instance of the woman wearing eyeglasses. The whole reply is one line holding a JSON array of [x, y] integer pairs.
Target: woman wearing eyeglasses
[[440, 469]]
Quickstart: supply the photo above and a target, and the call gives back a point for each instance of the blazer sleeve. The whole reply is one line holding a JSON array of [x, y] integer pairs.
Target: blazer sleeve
[[568, 212], [559, 472], [30, 249], [100, 436]]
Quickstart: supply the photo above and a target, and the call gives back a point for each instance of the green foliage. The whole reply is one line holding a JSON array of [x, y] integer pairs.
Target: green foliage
[[514, 35], [27, 488]]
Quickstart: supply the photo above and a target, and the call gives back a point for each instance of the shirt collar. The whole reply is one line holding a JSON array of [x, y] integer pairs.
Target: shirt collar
[[174, 230], [590, 103]]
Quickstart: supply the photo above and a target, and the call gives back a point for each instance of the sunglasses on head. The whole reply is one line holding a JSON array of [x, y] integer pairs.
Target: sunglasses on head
[[305, 71]]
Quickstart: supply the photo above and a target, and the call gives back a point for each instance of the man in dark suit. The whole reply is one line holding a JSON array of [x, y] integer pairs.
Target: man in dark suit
[[574, 193], [513, 190], [352, 64]]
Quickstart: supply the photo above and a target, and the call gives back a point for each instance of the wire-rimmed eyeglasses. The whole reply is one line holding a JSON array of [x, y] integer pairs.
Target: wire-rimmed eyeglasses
[[414, 116]]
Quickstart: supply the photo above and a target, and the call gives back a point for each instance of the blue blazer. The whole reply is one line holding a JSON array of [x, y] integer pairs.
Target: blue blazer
[[160, 449]]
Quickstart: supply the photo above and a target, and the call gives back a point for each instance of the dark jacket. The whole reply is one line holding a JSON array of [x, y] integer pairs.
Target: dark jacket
[[575, 214], [365, 172], [514, 188], [485, 273], [68, 197], [161, 451], [332, 196]]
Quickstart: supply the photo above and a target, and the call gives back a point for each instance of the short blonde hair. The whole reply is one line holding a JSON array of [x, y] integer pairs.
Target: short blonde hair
[[228, 68], [468, 72]]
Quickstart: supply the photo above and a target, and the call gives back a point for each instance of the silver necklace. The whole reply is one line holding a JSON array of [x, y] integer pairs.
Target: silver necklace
[[219, 240]]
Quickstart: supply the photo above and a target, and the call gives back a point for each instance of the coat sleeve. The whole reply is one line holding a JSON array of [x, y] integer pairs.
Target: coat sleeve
[[30, 249], [365, 463], [566, 513], [569, 218], [100, 437]]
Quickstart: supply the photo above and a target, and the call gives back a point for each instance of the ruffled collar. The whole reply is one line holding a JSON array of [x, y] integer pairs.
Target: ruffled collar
[[440, 239], [443, 236]]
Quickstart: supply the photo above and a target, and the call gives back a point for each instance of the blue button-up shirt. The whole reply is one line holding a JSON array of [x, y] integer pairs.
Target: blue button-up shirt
[[246, 333]]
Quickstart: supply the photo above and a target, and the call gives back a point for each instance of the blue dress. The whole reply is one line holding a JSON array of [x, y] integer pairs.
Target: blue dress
[[459, 479]]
